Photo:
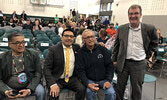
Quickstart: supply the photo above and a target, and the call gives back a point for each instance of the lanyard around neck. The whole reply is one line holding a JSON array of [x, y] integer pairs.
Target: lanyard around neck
[[14, 64]]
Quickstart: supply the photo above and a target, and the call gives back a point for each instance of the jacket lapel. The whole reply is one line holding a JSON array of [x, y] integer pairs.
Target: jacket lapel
[[144, 34], [62, 54], [126, 31], [9, 62], [27, 60]]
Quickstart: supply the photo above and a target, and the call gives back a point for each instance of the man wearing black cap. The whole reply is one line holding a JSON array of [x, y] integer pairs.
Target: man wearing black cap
[[28, 25], [59, 67]]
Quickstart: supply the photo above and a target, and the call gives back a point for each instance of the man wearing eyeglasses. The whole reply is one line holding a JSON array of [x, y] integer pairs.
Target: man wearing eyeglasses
[[20, 70], [95, 68], [59, 68], [134, 43]]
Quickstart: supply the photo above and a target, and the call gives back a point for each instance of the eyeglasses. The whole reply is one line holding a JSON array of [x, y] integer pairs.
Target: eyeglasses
[[88, 37], [136, 13], [19, 43], [71, 36]]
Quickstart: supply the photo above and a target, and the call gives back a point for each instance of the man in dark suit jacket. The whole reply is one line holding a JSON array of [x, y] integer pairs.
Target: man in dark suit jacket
[[134, 43], [55, 67], [20, 70], [24, 15], [14, 15]]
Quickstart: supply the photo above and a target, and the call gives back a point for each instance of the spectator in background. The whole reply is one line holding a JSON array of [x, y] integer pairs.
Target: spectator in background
[[61, 29], [64, 20], [4, 22], [90, 26], [110, 42], [77, 17], [19, 22], [15, 20], [153, 59], [74, 28], [79, 39], [111, 30], [106, 22], [43, 23], [160, 38], [68, 19], [24, 15], [73, 15], [116, 26], [11, 23], [28, 25], [37, 26], [56, 19], [102, 36], [14, 15]]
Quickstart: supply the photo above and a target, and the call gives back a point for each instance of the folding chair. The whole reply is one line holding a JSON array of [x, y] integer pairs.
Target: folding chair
[[160, 52]]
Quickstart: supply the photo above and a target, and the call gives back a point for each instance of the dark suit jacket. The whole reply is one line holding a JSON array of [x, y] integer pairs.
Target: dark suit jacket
[[54, 63], [24, 17], [150, 42], [32, 67], [15, 16]]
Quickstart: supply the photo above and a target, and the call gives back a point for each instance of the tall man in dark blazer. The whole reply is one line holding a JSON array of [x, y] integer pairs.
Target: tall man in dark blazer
[[13, 15], [55, 67], [20, 70], [134, 44], [24, 15]]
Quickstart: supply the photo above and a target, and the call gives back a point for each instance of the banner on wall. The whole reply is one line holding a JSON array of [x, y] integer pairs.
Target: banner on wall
[[113, 18], [48, 2]]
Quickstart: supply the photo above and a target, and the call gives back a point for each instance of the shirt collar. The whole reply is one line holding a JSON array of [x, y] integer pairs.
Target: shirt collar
[[64, 47], [136, 29]]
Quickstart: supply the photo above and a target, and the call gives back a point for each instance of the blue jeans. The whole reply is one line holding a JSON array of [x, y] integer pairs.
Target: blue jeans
[[109, 93], [39, 93]]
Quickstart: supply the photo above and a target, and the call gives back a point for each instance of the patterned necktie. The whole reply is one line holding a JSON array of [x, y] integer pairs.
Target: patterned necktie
[[67, 65]]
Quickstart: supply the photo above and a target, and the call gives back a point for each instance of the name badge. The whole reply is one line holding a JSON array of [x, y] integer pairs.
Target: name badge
[[161, 49], [3, 44], [45, 44], [5, 39], [22, 78], [26, 39], [26, 44]]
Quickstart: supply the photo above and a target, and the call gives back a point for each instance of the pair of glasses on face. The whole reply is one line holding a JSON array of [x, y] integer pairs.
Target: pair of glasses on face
[[88, 37], [19, 43], [136, 13], [71, 36]]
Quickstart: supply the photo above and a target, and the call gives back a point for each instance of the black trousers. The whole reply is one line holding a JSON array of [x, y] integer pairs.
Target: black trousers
[[136, 71], [75, 85]]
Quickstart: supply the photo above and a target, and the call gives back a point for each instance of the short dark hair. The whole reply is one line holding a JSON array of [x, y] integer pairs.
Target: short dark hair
[[103, 32], [12, 35], [134, 7], [68, 29]]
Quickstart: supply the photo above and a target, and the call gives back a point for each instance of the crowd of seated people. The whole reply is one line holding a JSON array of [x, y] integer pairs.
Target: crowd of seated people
[[106, 30]]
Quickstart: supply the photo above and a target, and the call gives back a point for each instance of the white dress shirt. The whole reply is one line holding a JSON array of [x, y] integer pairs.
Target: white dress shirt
[[135, 49], [72, 60]]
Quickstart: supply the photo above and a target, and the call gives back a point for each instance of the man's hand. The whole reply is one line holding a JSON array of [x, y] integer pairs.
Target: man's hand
[[115, 64], [9, 93], [23, 93], [102, 44], [93, 86], [106, 85], [54, 90]]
